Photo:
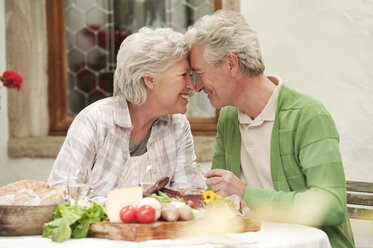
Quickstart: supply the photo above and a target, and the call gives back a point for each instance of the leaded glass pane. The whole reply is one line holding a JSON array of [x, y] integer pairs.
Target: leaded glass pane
[[95, 30]]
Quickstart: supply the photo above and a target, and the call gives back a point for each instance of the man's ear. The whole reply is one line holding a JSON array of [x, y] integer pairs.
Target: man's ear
[[232, 62], [149, 81]]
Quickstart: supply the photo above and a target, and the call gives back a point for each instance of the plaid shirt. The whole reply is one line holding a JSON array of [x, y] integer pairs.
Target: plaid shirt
[[96, 149]]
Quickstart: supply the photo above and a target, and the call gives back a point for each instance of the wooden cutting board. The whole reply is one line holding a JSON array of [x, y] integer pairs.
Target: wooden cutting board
[[155, 230]]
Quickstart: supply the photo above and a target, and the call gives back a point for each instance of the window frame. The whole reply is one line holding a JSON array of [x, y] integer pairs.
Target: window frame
[[59, 120]]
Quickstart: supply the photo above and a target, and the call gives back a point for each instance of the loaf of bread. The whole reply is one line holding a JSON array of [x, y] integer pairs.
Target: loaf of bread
[[30, 192]]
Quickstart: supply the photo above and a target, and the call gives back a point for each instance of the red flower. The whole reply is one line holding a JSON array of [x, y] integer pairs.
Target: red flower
[[12, 80]]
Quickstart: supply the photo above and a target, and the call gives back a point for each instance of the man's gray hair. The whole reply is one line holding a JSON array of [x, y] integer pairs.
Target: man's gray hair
[[227, 32], [147, 52]]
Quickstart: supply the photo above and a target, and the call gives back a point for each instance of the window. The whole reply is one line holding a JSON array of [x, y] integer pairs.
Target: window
[[84, 37]]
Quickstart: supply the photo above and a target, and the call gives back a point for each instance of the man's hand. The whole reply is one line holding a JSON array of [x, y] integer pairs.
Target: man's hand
[[239, 205], [225, 183]]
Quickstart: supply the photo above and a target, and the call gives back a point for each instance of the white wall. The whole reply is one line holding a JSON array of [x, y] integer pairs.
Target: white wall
[[14, 169], [325, 48]]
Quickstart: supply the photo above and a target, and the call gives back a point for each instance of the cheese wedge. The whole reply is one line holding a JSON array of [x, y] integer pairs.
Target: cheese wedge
[[117, 199]]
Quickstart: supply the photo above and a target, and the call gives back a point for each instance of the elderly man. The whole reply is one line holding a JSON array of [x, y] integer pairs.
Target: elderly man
[[276, 148]]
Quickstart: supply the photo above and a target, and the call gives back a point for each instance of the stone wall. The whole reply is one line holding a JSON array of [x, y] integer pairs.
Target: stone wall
[[26, 53]]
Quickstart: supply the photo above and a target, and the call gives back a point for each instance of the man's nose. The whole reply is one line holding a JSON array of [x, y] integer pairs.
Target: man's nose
[[190, 84], [198, 87]]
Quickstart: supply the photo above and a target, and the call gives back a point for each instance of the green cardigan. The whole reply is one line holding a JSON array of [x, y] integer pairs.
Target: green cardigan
[[306, 164]]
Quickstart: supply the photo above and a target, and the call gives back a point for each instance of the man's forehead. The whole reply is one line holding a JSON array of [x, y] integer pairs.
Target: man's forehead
[[197, 56], [197, 48]]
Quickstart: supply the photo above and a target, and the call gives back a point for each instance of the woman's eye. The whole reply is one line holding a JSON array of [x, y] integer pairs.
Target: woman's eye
[[186, 74]]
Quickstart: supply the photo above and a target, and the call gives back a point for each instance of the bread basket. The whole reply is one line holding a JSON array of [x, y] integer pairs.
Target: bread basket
[[24, 220]]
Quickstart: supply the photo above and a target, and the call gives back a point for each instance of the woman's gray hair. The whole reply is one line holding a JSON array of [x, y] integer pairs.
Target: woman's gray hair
[[147, 52], [227, 32]]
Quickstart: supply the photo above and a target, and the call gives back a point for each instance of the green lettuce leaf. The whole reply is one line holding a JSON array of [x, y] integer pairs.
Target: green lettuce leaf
[[73, 221]]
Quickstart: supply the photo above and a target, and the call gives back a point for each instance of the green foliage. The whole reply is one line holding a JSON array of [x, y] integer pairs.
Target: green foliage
[[73, 221]]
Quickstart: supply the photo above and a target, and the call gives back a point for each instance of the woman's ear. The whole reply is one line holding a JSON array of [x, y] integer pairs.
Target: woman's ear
[[233, 62], [149, 81]]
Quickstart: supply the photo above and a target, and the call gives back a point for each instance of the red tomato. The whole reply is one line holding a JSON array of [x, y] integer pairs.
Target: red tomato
[[128, 214], [190, 204], [145, 214]]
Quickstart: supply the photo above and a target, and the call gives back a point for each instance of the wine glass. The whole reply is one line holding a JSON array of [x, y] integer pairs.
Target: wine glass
[[76, 190], [147, 176]]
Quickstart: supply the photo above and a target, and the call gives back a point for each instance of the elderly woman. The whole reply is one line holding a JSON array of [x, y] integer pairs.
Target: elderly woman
[[140, 134]]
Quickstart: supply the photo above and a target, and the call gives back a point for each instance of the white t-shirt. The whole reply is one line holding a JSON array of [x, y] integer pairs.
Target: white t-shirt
[[256, 143]]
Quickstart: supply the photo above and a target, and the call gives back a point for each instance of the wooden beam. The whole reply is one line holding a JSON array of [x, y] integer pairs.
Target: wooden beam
[[359, 186], [358, 213], [360, 199]]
